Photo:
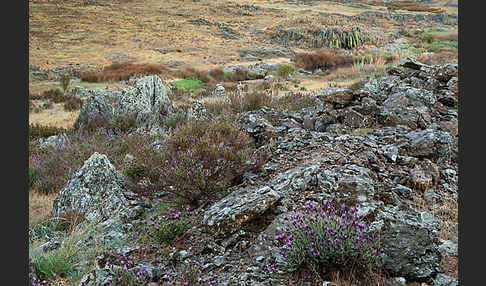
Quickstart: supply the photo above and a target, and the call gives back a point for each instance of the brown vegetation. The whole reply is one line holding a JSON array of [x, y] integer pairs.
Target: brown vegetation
[[321, 59], [123, 71]]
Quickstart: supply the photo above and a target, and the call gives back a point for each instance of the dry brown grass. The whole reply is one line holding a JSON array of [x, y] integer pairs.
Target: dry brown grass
[[446, 210], [437, 58], [448, 36], [406, 5], [57, 116], [40, 206]]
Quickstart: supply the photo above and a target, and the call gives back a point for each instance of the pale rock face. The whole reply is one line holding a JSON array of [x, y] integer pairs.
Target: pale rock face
[[148, 100], [95, 191]]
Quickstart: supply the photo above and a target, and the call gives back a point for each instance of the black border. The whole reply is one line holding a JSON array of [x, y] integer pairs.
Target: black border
[[15, 92]]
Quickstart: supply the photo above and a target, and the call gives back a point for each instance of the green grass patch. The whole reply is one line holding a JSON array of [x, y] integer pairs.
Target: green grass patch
[[188, 84]]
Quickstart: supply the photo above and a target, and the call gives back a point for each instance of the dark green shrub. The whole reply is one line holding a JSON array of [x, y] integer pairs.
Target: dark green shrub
[[124, 124]]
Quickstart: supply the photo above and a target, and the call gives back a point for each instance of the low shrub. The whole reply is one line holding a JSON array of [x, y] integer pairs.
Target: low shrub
[[37, 131], [122, 71], [73, 103], [65, 82], [285, 70], [321, 59], [325, 236], [201, 158], [357, 85], [294, 101], [162, 230], [124, 124], [250, 100], [127, 274]]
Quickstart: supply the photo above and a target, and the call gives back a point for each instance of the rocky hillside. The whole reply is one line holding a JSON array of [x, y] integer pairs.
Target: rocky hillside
[[238, 209]]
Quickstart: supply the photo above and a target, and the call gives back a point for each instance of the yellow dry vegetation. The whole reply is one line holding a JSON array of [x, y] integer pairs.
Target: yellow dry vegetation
[[57, 116]]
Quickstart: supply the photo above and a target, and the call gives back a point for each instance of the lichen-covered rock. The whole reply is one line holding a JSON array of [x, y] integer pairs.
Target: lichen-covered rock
[[257, 126], [444, 280], [219, 91], [59, 141], [148, 100], [227, 215], [431, 143], [359, 188], [95, 108], [410, 247], [96, 191], [197, 110]]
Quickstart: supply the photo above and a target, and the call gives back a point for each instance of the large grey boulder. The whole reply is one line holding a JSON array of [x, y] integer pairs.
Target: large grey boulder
[[147, 100], [410, 247], [228, 215], [96, 191], [96, 108]]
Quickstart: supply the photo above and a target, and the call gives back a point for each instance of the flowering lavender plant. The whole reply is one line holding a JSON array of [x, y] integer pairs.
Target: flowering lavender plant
[[325, 235], [127, 274]]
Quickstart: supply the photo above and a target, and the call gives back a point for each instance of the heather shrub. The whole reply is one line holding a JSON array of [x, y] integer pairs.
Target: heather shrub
[[326, 236], [55, 166], [249, 100], [199, 159], [127, 274], [54, 95], [321, 59], [124, 124], [122, 71]]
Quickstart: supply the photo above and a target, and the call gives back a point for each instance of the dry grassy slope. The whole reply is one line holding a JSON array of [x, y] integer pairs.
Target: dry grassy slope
[[73, 33]]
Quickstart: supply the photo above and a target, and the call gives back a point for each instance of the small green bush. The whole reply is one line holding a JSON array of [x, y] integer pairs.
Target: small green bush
[[65, 82], [285, 70], [162, 230]]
